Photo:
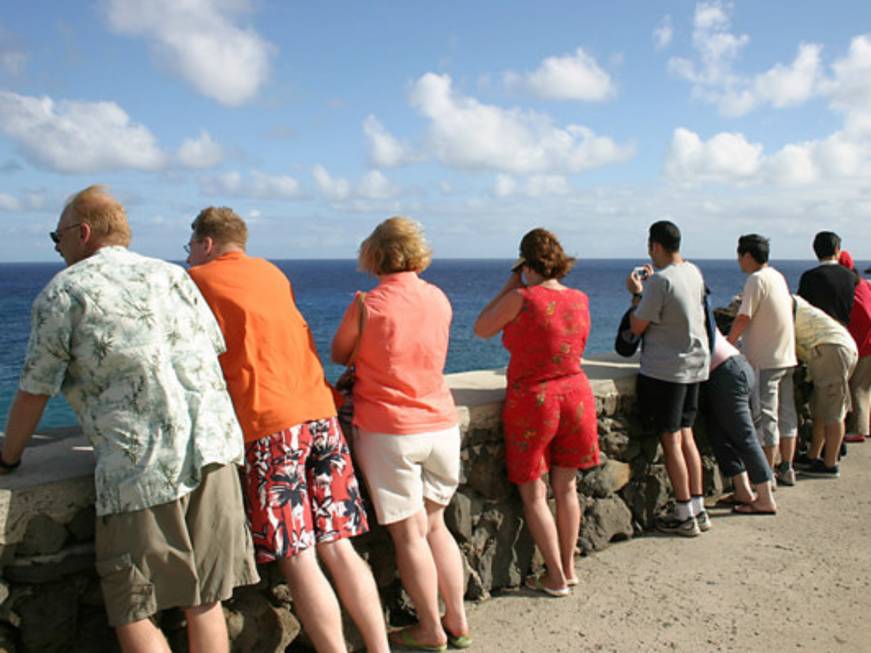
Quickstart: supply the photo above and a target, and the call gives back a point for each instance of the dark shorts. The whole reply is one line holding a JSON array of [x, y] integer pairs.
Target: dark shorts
[[300, 490], [667, 407]]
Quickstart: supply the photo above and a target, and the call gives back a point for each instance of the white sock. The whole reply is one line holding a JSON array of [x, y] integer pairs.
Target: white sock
[[697, 505], [683, 510]]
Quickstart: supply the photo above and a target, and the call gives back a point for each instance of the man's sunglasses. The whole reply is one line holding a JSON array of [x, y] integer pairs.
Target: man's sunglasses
[[55, 235]]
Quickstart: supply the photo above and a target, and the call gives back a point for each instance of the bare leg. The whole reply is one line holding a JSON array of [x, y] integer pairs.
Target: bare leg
[[818, 440], [764, 497], [449, 568], [675, 465], [315, 603], [693, 461], [568, 515], [834, 435], [357, 591], [787, 449], [207, 629], [544, 532], [419, 576], [742, 491], [770, 453], [141, 637]]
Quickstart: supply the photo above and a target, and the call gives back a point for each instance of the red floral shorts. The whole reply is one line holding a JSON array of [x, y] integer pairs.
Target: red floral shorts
[[300, 490], [550, 424]]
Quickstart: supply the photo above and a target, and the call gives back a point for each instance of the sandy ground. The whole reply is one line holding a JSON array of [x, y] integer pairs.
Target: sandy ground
[[800, 581]]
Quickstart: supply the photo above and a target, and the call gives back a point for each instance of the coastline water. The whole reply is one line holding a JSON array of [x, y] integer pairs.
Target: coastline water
[[324, 288]]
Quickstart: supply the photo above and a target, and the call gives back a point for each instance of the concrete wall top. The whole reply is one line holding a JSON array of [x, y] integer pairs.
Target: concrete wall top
[[56, 477]]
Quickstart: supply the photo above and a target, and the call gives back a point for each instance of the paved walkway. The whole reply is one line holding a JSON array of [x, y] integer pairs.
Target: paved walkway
[[800, 581]]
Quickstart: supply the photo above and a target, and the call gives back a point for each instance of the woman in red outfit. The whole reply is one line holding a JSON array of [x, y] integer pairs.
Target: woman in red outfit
[[549, 417]]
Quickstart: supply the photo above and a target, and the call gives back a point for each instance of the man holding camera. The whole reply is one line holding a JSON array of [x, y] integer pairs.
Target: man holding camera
[[675, 358]]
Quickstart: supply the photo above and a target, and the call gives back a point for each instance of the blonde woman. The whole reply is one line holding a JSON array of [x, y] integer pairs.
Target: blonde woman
[[406, 437]]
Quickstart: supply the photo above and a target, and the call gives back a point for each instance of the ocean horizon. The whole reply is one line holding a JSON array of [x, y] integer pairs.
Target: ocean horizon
[[325, 287]]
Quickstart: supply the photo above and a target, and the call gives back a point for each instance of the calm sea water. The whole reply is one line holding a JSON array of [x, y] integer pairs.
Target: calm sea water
[[324, 289]]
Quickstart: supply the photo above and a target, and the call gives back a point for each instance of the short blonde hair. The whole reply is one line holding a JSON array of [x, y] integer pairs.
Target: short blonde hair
[[95, 207], [221, 224], [396, 245]]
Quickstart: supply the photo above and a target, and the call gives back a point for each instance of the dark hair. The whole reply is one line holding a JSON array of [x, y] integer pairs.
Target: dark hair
[[755, 245], [666, 234], [545, 255], [826, 244]]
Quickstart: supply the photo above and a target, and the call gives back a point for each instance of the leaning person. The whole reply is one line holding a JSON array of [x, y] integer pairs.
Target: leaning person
[[300, 489], [549, 415], [829, 352], [133, 346], [765, 326], [732, 433], [406, 436], [859, 327], [669, 315]]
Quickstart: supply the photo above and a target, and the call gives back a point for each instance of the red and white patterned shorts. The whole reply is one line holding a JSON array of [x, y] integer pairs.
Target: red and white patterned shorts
[[300, 490]]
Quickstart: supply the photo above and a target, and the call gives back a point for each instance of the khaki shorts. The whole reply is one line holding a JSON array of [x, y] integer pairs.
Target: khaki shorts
[[403, 470], [831, 367], [188, 552]]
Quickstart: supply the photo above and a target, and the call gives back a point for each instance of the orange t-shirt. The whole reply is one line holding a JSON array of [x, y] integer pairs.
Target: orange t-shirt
[[272, 368], [400, 386]]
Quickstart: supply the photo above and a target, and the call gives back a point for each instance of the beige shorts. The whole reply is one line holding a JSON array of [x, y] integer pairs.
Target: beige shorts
[[188, 552], [831, 367], [403, 470]]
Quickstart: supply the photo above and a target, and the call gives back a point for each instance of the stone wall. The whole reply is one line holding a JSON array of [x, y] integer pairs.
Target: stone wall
[[49, 594]]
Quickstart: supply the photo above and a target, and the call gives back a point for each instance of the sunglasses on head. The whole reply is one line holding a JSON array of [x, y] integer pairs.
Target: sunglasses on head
[[55, 235]]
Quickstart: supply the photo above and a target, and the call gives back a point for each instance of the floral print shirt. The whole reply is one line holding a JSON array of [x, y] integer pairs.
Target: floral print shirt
[[133, 346]]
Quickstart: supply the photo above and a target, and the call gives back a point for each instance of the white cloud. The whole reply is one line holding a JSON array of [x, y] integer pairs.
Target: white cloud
[[332, 188], [533, 186], [200, 152], [258, 185], [77, 137], [714, 80], [465, 133], [663, 33], [729, 158], [372, 186], [725, 157], [385, 149], [569, 77], [26, 202], [850, 86], [201, 42]]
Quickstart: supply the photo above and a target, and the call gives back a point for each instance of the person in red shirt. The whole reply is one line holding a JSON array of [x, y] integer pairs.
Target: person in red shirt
[[300, 489], [859, 326], [549, 415]]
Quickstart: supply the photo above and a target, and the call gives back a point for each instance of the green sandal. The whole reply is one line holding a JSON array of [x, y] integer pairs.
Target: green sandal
[[405, 640]]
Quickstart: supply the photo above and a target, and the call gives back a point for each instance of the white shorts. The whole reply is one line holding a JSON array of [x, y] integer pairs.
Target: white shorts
[[403, 470]]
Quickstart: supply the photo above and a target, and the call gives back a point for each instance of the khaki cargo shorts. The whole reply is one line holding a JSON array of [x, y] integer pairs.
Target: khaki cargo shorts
[[831, 367], [188, 552]]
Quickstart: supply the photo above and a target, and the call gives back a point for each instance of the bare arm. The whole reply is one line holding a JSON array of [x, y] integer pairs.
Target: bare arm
[[22, 421], [347, 334], [637, 326], [738, 326], [503, 308]]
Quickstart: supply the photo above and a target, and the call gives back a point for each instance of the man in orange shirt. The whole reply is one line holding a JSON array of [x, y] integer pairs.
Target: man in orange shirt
[[301, 492]]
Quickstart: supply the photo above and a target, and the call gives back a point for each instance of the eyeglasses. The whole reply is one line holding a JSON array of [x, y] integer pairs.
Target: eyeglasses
[[55, 235], [187, 248]]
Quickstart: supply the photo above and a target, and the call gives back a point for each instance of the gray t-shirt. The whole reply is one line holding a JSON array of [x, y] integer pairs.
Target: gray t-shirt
[[675, 344]]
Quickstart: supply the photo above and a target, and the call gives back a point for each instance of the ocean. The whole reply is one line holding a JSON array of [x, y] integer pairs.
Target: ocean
[[325, 288]]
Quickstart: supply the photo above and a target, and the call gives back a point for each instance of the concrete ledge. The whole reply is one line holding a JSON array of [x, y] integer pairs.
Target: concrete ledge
[[56, 479]]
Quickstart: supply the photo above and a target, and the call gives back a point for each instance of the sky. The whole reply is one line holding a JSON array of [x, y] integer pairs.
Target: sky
[[482, 120]]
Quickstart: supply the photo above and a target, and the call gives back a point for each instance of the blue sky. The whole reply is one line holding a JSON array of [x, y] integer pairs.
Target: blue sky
[[481, 120]]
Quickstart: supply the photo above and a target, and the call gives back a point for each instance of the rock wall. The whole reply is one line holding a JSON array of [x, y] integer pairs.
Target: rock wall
[[50, 598]]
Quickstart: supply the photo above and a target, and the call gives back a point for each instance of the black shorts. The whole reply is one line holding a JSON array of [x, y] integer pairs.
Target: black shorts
[[667, 407]]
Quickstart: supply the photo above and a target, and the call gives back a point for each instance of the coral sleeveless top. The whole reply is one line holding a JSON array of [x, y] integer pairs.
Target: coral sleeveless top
[[400, 386]]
